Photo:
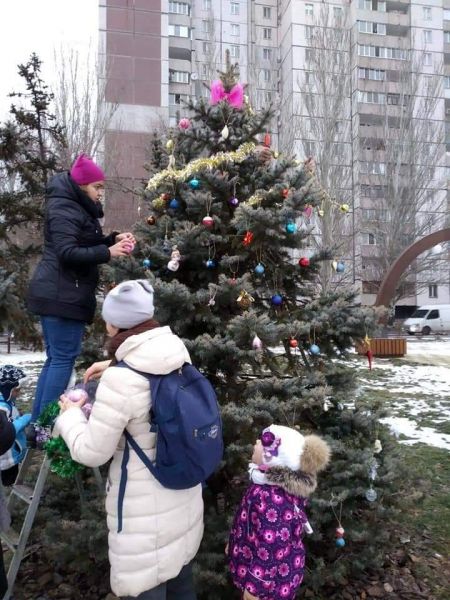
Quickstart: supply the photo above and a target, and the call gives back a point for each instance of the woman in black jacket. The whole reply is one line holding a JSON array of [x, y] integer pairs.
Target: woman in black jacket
[[7, 437], [62, 289]]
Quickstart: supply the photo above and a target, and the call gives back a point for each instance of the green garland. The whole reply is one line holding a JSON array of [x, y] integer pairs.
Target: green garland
[[61, 463]]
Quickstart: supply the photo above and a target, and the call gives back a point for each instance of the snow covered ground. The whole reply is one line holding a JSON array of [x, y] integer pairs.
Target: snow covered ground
[[416, 388], [417, 391]]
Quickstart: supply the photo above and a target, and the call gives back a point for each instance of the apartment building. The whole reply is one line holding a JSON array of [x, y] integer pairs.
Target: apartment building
[[340, 73]]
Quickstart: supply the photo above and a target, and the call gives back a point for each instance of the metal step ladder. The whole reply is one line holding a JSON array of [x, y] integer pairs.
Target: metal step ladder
[[17, 542]]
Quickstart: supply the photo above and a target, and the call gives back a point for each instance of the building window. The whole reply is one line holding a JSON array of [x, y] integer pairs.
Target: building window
[[179, 76], [371, 97], [267, 12], [266, 75], [267, 53], [206, 47], [447, 37], [179, 31], [337, 12], [309, 148], [427, 59], [379, 5], [205, 26], [268, 97], [267, 33], [433, 291], [382, 52], [427, 36], [373, 168], [234, 7], [369, 27], [235, 29], [177, 99], [446, 14], [309, 10], [234, 51], [206, 4], [309, 32], [374, 74], [308, 77], [426, 13], [447, 82], [308, 54], [179, 8]]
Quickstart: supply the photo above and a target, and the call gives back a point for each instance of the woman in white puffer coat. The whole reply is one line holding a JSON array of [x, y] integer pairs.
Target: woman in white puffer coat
[[162, 528]]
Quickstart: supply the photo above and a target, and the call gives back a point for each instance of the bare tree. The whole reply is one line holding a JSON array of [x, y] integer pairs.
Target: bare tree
[[403, 157], [321, 128], [80, 104]]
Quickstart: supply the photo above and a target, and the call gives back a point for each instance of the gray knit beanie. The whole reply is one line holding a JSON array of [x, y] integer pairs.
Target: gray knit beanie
[[129, 304]]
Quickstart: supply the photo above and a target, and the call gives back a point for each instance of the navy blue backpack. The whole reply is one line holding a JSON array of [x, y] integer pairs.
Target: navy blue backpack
[[186, 419]]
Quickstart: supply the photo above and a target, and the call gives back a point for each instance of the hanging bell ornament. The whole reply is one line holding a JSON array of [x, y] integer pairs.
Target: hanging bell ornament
[[208, 222], [225, 133], [371, 495], [257, 343], [307, 211], [377, 447]]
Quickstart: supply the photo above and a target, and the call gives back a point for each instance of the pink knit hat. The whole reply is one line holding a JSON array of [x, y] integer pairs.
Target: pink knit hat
[[85, 171]]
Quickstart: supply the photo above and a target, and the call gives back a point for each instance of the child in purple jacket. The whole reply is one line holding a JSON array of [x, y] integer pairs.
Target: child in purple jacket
[[265, 549]]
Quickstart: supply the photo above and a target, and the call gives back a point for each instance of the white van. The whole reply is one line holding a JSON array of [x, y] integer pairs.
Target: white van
[[434, 318]]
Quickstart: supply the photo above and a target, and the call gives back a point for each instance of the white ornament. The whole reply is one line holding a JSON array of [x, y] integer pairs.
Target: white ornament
[[325, 405], [257, 343], [377, 447], [371, 495], [225, 132]]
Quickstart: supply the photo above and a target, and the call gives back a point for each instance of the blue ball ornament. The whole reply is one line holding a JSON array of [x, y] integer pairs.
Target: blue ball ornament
[[210, 263], [340, 267], [194, 183], [259, 269], [291, 227], [146, 263], [277, 300], [174, 203], [340, 542], [314, 349]]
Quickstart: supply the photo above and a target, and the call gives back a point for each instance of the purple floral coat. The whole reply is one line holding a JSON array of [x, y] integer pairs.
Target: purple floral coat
[[265, 550]]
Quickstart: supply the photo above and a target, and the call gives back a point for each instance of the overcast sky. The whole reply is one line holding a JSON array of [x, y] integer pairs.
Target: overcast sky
[[40, 26]]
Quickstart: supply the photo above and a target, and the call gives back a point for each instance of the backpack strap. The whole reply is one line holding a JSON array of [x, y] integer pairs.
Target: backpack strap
[[131, 442]]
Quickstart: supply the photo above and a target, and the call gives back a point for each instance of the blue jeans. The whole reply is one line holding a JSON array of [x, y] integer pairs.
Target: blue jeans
[[62, 338], [180, 587]]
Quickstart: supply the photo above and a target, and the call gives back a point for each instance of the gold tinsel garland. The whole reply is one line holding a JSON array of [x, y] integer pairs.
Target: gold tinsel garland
[[200, 164]]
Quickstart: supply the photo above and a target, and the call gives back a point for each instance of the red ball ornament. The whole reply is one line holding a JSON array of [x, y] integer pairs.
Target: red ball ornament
[[340, 532], [208, 222], [165, 196], [293, 343], [267, 140], [304, 261], [285, 192]]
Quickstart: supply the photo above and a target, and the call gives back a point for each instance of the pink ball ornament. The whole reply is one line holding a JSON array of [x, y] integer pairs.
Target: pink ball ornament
[[208, 222], [77, 395], [184, 123]]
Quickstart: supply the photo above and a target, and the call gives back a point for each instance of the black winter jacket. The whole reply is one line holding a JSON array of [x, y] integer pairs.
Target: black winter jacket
[[64, 282]]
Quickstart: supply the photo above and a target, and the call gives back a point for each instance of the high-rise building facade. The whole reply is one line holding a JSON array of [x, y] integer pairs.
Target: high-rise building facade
[[361, 85]]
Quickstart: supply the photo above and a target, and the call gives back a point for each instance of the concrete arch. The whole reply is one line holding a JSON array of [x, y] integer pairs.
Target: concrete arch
[[389, 283]]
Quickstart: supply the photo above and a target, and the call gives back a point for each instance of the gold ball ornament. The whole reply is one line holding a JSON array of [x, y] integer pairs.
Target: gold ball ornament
[[344, 208], [170, 145], [159, 203], [245, 299], [321, 212]]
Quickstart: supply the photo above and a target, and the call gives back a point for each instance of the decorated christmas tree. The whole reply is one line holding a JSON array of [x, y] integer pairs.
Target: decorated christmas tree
[[225, 238]]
